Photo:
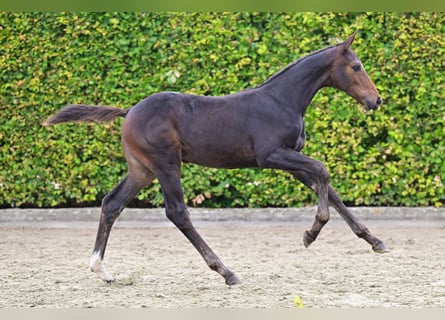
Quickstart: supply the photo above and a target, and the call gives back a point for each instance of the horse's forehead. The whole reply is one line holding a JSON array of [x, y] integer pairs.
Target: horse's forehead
[[352, 56], [349, 56]]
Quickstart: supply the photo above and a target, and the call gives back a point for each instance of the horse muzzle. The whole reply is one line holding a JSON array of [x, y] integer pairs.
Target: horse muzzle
[[373, 104]]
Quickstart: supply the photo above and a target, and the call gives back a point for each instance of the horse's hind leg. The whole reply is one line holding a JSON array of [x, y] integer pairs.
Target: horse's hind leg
[[112, 206], [177, 212]]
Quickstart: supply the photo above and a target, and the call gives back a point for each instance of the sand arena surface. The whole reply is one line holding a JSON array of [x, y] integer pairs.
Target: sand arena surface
[[44, 260]]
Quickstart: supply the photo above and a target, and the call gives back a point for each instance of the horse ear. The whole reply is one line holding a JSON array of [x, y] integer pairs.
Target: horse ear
[[345, 45]]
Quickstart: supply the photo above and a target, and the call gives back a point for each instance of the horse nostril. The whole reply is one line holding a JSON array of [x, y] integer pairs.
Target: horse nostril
[[379, 101]]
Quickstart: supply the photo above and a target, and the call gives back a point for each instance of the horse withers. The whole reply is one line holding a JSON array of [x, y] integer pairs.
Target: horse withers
[[260, 127]]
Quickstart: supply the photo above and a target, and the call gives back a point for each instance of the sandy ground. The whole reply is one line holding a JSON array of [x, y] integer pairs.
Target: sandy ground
[[45, 264]]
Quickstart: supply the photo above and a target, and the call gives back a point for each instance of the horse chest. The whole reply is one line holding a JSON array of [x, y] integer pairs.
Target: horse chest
[[299, 143], [295, 136]]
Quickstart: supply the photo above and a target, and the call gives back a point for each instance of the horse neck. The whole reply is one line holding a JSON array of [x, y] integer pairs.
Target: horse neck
[[296, 85]]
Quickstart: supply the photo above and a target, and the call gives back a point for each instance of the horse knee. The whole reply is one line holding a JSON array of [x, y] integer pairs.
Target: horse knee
[[179, 216], [322, 173], [321, 176]]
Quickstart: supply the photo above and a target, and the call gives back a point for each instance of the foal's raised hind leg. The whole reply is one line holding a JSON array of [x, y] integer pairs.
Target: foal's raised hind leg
[[112, 206], [177, 212]]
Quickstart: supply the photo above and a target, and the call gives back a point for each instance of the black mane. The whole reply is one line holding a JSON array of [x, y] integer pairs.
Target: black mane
[[289, 66]]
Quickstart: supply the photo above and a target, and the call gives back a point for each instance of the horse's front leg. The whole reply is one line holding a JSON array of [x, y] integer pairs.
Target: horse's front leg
[[357, 227], [293, 161]]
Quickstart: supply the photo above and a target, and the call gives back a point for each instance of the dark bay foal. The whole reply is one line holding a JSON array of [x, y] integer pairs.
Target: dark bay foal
[[260, 127]]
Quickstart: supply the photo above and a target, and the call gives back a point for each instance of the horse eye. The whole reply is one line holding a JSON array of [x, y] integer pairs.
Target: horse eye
[[356, 68]]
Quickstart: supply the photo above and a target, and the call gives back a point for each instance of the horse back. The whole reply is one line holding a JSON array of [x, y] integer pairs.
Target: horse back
[[209, 131]]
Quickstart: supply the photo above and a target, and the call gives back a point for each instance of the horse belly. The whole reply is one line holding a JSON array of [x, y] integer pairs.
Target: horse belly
[[220, 153]]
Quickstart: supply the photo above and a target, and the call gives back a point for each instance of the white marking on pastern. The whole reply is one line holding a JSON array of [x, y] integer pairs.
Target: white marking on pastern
[[97, 266]]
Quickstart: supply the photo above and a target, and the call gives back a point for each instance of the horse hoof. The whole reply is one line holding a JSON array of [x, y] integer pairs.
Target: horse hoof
[[232, 280], [380, 248], [307, 239]]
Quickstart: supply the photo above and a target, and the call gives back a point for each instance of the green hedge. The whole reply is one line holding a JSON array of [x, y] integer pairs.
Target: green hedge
[[394, 156]]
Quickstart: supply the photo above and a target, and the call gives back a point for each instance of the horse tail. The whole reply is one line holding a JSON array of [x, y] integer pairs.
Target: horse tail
[[85, 113]]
